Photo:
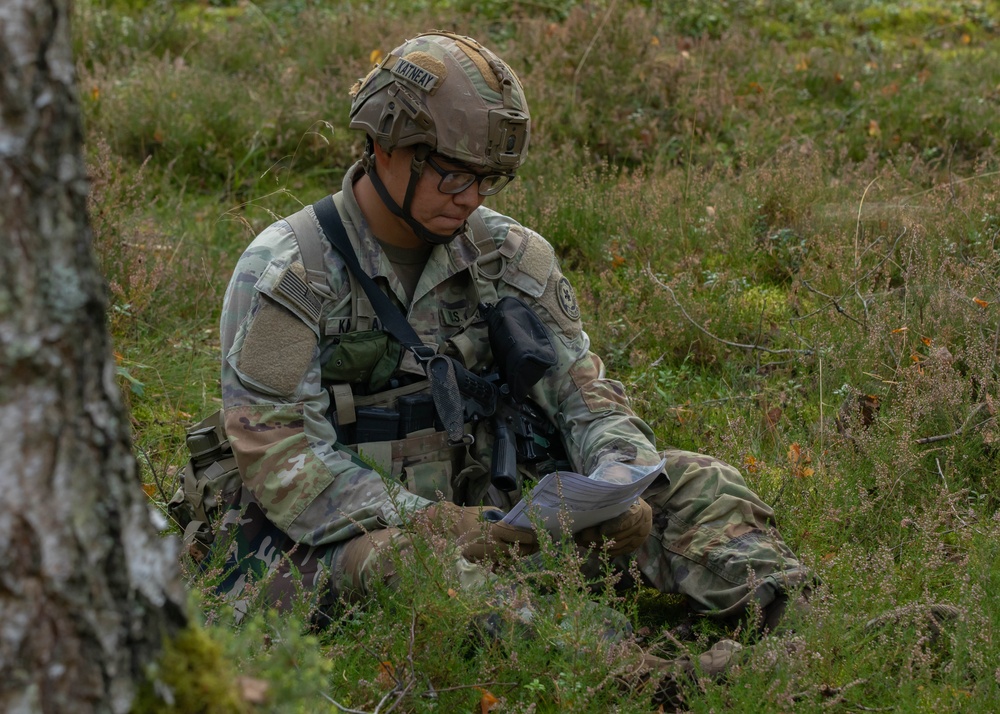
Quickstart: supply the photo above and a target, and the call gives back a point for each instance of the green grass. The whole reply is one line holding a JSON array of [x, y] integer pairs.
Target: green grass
[[782, 221]]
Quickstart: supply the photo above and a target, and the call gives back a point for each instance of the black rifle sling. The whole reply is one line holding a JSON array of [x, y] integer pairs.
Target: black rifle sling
[[444, 385], [392, 318]]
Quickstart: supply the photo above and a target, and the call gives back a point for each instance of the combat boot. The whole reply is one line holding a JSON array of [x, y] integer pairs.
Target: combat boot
[[775, 617], [673, 676]]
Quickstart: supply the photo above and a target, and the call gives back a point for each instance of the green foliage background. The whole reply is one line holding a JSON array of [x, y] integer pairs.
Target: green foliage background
[[782, 221]]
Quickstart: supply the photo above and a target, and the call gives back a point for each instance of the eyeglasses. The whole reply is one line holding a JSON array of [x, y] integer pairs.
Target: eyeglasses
[[453, 182]]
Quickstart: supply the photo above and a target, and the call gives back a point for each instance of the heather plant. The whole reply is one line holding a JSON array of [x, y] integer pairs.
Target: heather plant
[[781, 219], [129, 248], [529, 638]]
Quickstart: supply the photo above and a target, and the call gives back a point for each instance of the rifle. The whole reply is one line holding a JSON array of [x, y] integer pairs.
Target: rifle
[[522, 352], [521, 432]]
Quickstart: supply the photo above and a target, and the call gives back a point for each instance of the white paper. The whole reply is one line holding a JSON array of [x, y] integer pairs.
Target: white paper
[[582, 501]]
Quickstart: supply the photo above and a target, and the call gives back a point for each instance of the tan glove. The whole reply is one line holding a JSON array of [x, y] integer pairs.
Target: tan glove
[[628, 531], [480, 533]]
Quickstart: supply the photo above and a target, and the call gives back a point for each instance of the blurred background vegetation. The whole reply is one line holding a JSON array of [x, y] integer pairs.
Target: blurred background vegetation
[[782, 222]]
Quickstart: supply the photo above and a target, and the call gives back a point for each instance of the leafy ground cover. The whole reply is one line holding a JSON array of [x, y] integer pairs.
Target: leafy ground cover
[[782, 221]]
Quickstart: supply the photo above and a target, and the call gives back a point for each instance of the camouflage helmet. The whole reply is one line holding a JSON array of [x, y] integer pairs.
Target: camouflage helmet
[[450, 93]]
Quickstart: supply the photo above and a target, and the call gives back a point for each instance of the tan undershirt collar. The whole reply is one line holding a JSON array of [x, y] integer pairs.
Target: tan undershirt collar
[[407, 263]]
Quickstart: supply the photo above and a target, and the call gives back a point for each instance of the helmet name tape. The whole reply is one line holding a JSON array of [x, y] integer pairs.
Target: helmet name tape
[[452, 94], [414, 74]]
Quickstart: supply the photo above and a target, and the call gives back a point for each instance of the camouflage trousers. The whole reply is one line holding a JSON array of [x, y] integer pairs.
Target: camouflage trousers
[[262, 561], [713, 541]]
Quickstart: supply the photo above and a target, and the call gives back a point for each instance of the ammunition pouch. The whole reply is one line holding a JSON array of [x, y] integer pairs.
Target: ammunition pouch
[[365, 358], [207, 482], [398, 431]]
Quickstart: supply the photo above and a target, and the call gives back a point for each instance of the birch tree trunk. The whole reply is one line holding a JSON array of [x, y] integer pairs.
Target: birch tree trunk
[[87, 588]]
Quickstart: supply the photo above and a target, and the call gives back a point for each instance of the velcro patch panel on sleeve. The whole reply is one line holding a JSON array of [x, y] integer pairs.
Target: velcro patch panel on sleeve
[[531, 265], [277, 350]]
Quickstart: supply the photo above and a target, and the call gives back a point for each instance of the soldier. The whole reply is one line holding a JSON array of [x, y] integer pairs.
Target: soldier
[[316, 391]]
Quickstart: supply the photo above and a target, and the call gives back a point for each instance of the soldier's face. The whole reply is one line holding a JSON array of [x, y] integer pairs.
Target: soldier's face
[[439, 212]]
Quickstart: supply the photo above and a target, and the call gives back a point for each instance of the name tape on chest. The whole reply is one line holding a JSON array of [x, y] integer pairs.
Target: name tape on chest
[[344, 325]]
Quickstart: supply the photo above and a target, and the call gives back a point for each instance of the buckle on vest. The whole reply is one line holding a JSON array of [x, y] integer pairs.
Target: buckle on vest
[[423, 353]]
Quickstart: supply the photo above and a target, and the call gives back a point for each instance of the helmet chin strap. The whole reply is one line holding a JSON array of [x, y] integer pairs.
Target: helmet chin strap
[[416, 169]]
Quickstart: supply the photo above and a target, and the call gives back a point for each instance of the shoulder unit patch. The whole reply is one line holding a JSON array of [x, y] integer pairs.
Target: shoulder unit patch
[[559, 299], [567, 299]]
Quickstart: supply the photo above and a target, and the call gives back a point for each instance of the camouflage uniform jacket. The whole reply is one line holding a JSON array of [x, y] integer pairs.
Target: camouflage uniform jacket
[[280, 337]]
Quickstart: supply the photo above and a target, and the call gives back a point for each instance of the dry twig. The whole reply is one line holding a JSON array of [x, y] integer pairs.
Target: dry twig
[[960, 430], [701, 329]]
